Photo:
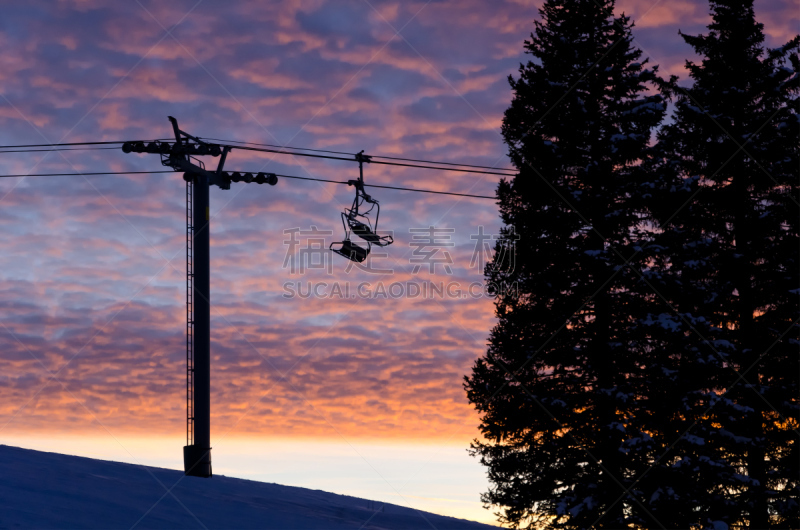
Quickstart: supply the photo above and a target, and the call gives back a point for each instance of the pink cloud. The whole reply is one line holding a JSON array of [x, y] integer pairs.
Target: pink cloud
[[86, 265]]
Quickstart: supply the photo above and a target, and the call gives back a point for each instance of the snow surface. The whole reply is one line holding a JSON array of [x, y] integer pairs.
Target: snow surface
[[50, 490]]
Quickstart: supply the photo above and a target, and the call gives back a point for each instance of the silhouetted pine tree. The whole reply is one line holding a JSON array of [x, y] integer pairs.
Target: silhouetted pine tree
[[559, 388], [728, 264]]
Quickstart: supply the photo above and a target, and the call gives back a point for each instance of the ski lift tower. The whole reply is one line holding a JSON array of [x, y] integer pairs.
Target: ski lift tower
[[182, 156], [361, 220]]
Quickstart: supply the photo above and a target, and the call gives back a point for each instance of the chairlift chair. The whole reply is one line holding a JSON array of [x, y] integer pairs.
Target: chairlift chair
[[357, 221], [350, 250]]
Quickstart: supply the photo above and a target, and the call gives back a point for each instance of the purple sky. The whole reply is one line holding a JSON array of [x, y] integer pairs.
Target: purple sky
[[92, 268]]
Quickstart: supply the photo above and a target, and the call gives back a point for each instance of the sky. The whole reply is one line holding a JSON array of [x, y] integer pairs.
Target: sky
[[321, 391]]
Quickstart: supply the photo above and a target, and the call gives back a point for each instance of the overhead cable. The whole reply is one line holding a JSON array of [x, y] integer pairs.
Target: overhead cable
[[59, 149], [316, 153], [372, 156], [278, 175]]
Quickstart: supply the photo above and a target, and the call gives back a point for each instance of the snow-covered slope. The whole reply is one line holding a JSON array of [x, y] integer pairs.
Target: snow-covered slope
[[49, 490]]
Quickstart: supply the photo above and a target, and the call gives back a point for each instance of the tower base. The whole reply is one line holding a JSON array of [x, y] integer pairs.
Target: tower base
[[197, 461]]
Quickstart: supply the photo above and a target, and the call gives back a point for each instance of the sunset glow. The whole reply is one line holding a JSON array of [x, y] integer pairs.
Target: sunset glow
[[92, 281]]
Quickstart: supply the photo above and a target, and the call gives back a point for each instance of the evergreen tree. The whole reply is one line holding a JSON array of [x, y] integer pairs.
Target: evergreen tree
[[559, 390], [727, 262]]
